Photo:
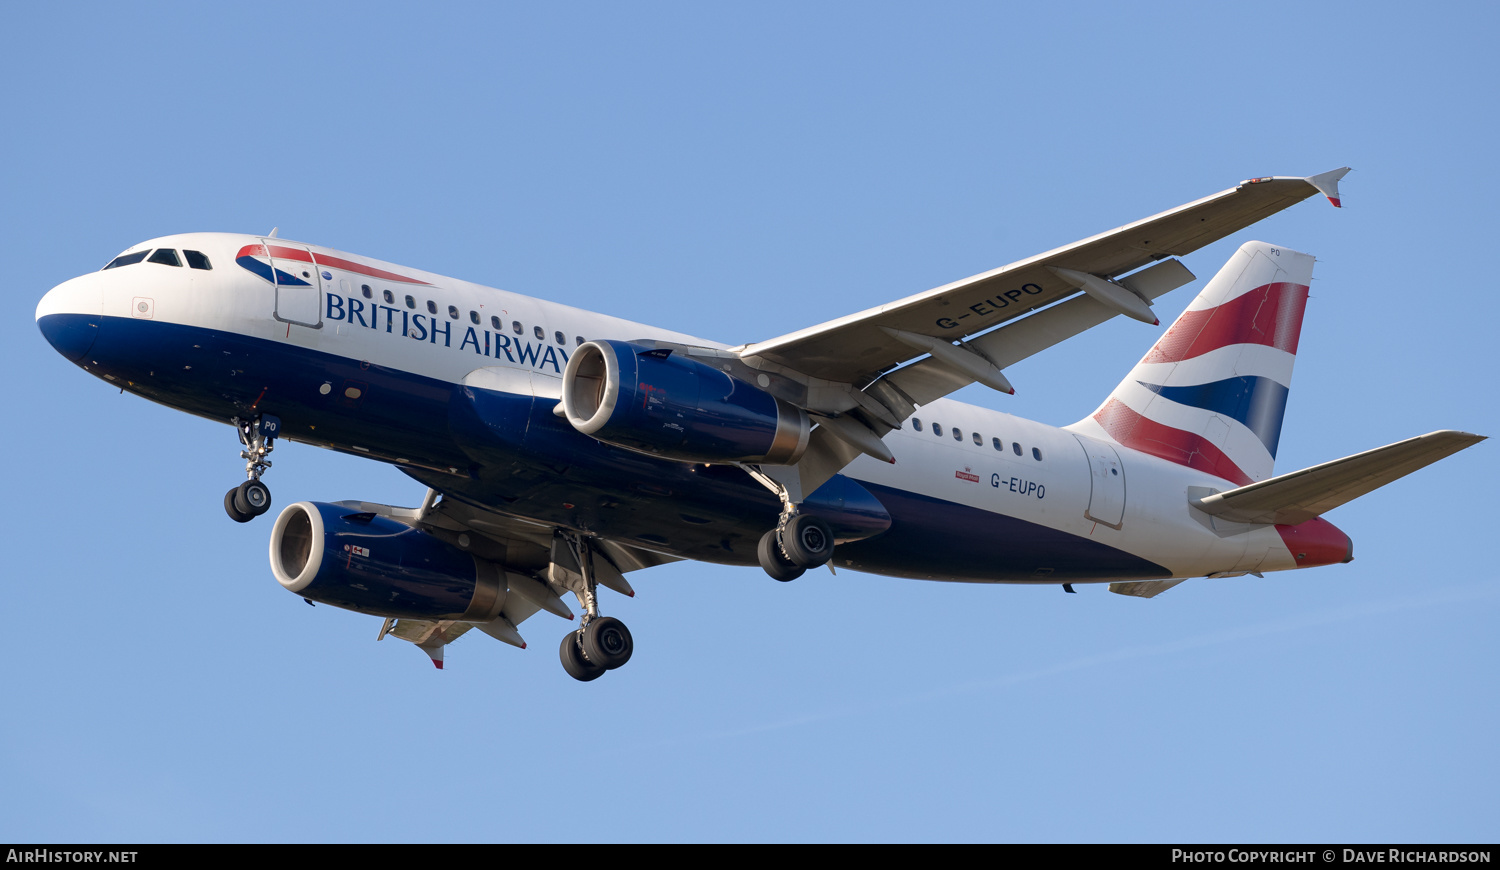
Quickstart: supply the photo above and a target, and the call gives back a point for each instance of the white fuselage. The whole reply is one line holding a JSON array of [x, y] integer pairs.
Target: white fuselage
[[998, 464]]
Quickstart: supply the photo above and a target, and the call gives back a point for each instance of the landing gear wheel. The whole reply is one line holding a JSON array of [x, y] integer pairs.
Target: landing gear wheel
[[606, 642], [252, 498], [808, 541], [573, 661], [770, 558], [234, 512]]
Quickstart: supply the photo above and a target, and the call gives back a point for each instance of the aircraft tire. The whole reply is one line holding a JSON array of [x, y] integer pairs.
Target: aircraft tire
[[808, 541], [607, 642], [235, 513], [573, 661], [252, 498], [773, 562]]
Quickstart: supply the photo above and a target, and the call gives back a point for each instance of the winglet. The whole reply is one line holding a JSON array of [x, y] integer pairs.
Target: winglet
[[433, 646], [1328, 184]]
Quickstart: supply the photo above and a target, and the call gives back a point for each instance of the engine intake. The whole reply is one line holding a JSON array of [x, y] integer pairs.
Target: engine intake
[[370, 564], [657, 401]]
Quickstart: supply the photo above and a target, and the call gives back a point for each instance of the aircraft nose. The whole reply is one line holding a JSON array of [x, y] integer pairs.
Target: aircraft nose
[[70, 315]]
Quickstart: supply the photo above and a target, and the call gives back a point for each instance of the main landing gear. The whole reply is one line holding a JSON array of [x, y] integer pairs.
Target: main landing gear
[[252, 498], [798, 542], [603, 643]]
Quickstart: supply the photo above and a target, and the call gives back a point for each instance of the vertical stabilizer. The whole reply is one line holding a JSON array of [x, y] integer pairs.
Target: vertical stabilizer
[[1212, 392]]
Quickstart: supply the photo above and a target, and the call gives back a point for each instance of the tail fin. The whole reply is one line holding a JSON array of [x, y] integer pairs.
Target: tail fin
[[1211, 394]]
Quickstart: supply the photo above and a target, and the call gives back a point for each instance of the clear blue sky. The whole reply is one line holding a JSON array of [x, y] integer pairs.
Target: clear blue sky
[[737, 174]]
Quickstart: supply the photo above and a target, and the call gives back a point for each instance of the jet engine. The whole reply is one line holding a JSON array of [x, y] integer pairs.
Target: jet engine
[[658, 401], [371, 564]]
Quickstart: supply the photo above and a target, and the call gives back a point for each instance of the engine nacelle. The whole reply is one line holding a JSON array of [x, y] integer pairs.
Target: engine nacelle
[[371, 564], [667, 404]]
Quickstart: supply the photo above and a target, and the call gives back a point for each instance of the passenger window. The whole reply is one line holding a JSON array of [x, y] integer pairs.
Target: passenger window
[[561, 339], [474, 317], [916, 424], [515, 326], [540, 335], [411, 302], [580, 338], [127, 259], [958, 434], [937, 429], [1036, 453], [390, 298], [1016, 446], [431, 307], [977, 440], [365, 289], [495, 323], [453, 313], [197, 260], [166, 257], [998, 446]]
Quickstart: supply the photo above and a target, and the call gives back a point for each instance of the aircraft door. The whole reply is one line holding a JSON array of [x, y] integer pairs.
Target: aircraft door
[[1106, 483], [299, 290]]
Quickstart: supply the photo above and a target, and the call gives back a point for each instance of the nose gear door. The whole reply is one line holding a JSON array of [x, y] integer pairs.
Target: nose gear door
[[299, 289]]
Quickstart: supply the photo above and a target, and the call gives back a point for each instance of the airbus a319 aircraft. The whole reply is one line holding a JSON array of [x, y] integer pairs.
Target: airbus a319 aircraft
[[563, 450]]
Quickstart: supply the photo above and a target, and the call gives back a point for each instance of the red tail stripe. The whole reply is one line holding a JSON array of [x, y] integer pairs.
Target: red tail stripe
[[1270, 315], [1174, 445]]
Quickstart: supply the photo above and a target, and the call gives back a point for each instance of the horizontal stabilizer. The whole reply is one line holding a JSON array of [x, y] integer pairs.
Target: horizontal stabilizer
[[429, 636], [1289, 499], [1143, 588]]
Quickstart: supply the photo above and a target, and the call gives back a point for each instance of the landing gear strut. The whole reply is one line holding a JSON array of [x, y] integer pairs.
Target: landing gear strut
[[253, 498], [603, 643], [798, 542]]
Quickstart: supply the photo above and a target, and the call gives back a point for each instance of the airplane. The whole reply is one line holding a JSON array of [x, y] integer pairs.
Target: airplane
[[563, 449]]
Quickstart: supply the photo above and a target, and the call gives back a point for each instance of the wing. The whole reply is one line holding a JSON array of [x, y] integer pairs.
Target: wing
[[859, 348], [537, 569], [849, 373]]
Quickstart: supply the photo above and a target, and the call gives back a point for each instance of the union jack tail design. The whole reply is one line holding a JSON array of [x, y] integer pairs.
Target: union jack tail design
[[1211, 394]]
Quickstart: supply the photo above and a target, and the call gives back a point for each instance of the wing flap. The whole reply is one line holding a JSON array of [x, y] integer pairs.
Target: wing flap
[[928, 379], [1288, 499]]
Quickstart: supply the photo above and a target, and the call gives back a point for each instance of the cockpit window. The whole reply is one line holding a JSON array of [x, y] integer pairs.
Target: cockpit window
[[127, 259], [166, 257], [197, 260]]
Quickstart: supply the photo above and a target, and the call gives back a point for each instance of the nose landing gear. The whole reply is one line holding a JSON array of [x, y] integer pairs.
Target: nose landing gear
[[253, 498]]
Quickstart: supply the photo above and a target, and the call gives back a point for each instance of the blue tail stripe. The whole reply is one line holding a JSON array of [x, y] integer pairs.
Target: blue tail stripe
[[1259, 403]]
